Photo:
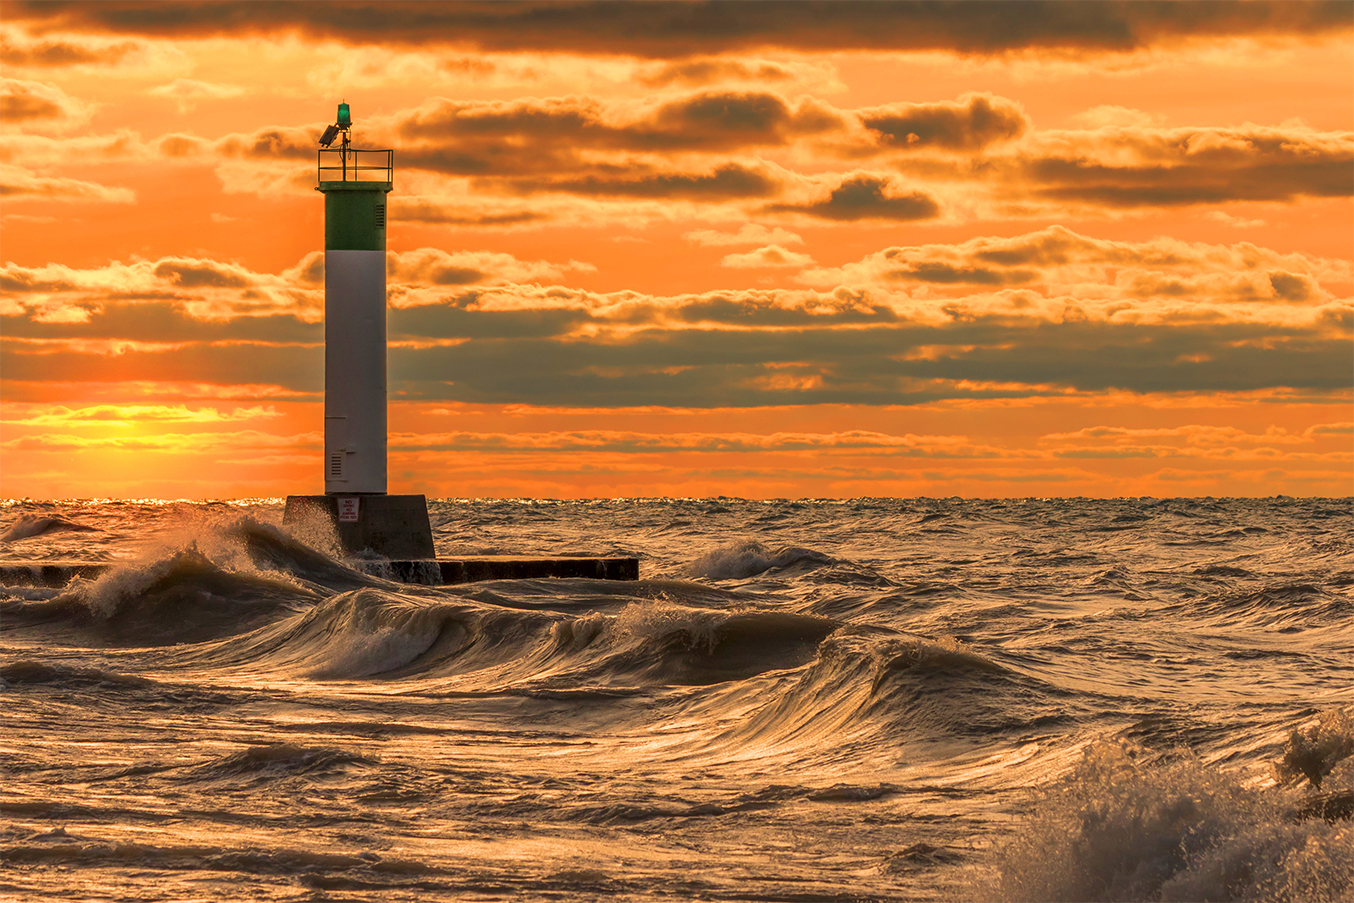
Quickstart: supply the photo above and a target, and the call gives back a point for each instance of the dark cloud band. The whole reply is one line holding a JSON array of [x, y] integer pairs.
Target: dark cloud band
[[670, 30]]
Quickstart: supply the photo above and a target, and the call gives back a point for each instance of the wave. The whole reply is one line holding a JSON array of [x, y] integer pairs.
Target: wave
[[877, 690], [224, 581], [474, 645], [356, 634], [1123, 826], [665, 643], [1287, 607], [276, 760], [27, 672], [31, 525], [749, 558]]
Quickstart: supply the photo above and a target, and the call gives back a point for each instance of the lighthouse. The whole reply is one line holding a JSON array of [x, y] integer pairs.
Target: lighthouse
[[356, 184]]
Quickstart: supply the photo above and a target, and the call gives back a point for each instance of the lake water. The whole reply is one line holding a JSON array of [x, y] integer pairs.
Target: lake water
[[876, 699]]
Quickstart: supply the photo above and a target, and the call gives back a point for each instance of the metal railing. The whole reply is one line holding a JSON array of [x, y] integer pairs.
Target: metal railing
[[353, 165]]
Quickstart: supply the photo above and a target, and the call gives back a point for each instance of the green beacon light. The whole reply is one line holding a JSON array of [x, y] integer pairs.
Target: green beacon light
[[345, 118]]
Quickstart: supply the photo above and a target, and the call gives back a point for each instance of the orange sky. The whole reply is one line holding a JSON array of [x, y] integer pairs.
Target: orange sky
[[748, 249]]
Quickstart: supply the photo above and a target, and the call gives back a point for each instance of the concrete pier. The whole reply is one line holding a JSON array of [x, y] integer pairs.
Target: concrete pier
[[428, 571]]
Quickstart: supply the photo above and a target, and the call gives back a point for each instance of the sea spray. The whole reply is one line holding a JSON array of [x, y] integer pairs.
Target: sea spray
[[1129, 825]]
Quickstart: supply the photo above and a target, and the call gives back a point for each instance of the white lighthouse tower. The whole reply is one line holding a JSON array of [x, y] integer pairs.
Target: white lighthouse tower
[[355, 184]]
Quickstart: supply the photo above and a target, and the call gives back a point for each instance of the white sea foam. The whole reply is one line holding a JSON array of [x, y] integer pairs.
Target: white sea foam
[[1126, 826]]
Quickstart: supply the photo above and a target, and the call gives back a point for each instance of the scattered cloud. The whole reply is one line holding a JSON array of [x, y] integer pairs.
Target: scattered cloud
[[724, 70], [161, 442], [1163, 279], [747, 234], [54, 52], [1236, 222], [769, 256], [129, 415], [32, 104], [1043, 313], [436, 268], [1114, 116], [866, 197], [1201, 435], [973, 122], [18, 183], [1136, 167], [188, 93], [534, 161]]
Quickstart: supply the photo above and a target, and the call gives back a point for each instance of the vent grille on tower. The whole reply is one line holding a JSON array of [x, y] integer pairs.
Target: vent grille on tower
[[336, 465], [380, 216]]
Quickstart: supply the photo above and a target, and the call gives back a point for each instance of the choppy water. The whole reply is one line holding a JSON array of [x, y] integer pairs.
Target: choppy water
[[800, 700]]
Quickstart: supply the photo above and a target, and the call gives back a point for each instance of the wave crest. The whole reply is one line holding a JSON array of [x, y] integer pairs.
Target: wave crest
[[748, 558], [31, 525]]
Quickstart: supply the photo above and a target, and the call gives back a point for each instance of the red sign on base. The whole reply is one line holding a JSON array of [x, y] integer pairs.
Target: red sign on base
[[347, 505]]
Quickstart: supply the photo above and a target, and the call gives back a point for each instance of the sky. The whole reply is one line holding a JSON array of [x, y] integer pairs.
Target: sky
[[768, 250]]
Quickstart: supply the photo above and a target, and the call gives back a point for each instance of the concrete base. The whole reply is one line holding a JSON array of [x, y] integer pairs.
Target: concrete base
[[392, 526]]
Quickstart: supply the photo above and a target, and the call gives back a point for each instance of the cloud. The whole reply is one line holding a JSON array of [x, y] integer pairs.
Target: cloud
[[454, 212], [189, 92], [1133, 167], [168, 442], [434, 267], [1236, 222], [1198, 434], [971, 123], [1113, 116], [189, 299], [272, 143], [31, 104], [84, 53], [127, 415], [574, 159], [45, 152], [864, 197], [727, 350], [1160, 278], [747, 234], [201, 288], [627, 441], [716, 69], [730, 181], [678, 30], [1201, 442], [769, 256], [535, 134], [18, 183], [1047, 313]]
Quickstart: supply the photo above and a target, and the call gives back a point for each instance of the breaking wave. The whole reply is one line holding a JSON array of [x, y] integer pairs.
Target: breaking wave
[[748, 558], [31, 525], [1127, 826], [486, 647]]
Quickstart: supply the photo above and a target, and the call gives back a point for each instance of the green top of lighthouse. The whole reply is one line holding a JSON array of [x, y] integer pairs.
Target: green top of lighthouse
[[355, 182], [347, 168]]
